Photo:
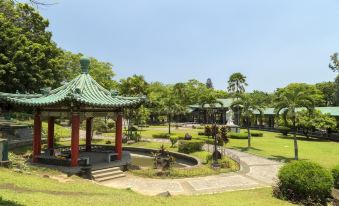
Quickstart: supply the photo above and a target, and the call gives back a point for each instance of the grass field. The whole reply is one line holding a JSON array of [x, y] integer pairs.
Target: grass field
[[31, 188], [34, 190], [271, 145]]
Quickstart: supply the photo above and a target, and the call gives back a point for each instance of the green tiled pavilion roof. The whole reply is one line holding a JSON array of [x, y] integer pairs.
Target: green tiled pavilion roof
[[83, 89]]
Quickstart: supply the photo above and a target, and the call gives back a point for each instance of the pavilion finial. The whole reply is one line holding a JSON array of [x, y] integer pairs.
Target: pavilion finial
[[84, 62]]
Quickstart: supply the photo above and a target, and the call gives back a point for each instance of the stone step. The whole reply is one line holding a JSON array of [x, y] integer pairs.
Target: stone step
[[110, 169], [110, 177], [106, 174]]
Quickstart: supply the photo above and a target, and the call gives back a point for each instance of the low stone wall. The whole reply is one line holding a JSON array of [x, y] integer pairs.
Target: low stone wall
[[193, 160]]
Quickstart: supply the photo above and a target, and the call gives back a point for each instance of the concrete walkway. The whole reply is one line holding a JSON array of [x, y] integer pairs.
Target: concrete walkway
[[255, 172]]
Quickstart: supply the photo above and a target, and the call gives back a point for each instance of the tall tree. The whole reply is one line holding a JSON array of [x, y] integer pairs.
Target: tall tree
[[29, 59], [236, 86], [209, 83], [328, 89], [249, 105], [101, 71], [309, 120], [237, 83], [294, 96], [132, 86]]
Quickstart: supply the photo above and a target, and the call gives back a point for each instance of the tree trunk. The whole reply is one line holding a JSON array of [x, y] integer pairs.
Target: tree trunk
[[295, 141], [169, 124], [248, 134]]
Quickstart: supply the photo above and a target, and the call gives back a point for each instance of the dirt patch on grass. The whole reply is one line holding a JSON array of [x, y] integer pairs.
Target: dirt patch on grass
[[17, 189]]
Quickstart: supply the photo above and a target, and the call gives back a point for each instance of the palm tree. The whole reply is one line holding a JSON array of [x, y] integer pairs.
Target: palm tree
[[290, 98], [248, 105], [236, 86]]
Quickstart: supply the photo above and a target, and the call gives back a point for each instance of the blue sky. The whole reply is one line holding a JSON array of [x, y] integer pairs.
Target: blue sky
[[272, 42]]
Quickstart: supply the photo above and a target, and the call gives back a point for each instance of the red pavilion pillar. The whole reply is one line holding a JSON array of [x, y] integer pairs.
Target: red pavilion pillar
[[118, 137], [75, 139], [50, 133], [89, 123], [36, 136]]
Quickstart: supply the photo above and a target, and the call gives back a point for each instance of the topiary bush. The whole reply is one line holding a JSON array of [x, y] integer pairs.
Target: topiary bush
[[284, 130], [237, 135], [304, 182], [257, 134], [190, 146], [335, 174], [161, 136]]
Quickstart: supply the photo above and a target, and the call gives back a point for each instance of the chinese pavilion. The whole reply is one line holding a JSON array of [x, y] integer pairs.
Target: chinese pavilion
[[79, 100]]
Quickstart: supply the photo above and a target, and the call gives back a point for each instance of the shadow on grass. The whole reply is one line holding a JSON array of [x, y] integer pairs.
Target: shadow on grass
[[280, 158], [245, 149], [8, 203], [302, 138]]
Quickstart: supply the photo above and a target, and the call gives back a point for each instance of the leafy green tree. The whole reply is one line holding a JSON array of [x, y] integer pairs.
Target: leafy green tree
[[293, 96], [248, 105], [236, 86], [170, 105], [133, 86], [237, 83], [101, 71], [29, 59], [328, 89], [309, 120]]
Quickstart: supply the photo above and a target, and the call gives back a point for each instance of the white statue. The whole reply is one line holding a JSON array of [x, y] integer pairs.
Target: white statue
[[229, 117]]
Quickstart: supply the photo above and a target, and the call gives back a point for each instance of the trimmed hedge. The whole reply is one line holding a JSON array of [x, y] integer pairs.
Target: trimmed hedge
[[234, 135], [189, 146], [335, 174], [161, 136], [257, 134], [284, 130], [304, 182]]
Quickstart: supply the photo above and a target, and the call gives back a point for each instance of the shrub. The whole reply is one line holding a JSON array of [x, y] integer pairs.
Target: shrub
[[188, 136], [201, 133], [237, 135], [284, 130], [190, 146], [304, 182], [208, 130], [257, 134], [161, 136], [174, 140], [335, 174]]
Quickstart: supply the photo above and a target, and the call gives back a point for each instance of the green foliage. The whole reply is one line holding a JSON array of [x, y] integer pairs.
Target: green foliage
[[284, 130], [315, 120], [240, 135], [133, 86], [328, 90], [161, 136], [60, 132], [173, 140], [257, 134], [208, 130], [29, 59], [335, 174], [237, 83], [100, 71], [304, 182], [189, 146]]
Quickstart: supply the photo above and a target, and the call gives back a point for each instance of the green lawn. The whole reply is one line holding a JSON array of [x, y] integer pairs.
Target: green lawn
[[272, 145], [34, 190]]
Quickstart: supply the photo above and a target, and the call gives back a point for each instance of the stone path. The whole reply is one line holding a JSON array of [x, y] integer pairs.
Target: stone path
[[255, 172]]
